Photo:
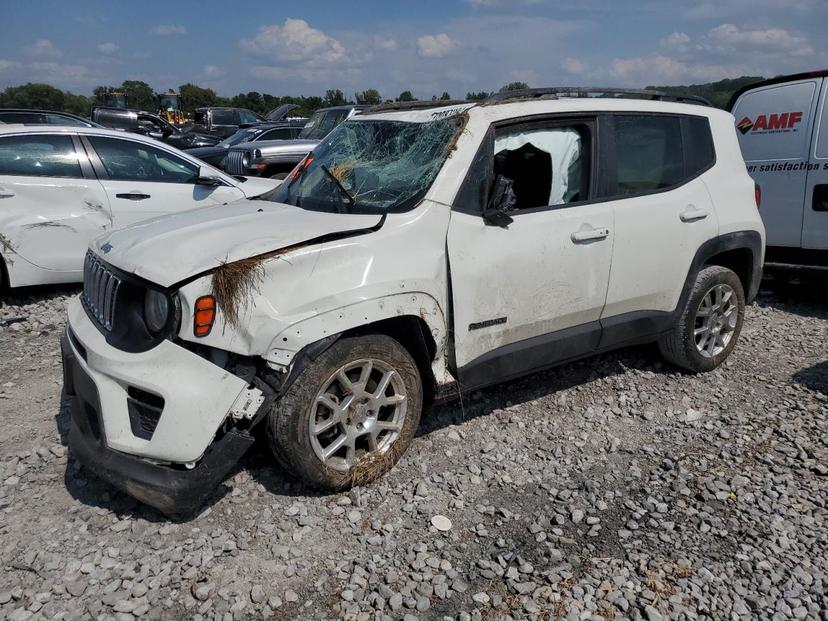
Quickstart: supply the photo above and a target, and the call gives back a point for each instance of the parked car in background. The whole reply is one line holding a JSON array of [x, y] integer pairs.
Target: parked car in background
[[223, 122], [43, 117], [782, 126], [152, 125], [62, 187], [282, 130], [277, 158], [326, 311]]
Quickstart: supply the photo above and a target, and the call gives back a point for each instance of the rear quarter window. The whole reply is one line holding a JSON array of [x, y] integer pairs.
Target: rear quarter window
[[699, 152]]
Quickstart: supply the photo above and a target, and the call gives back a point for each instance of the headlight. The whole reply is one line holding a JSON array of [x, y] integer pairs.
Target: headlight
[[156, 310]]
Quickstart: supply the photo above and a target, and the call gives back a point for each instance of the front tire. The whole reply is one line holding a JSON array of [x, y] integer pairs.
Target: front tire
[[709, 325], [351, 414]]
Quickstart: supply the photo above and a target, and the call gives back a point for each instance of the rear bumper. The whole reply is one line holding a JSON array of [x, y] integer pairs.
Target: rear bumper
[[170, 489]]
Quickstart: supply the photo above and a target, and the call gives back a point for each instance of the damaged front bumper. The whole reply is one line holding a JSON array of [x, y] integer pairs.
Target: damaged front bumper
[[150, 423]]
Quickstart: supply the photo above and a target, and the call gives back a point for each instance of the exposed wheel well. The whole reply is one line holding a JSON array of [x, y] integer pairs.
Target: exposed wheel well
[[414, 334], [739, 260]]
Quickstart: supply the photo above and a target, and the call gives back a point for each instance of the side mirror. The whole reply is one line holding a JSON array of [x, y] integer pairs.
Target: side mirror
[[502, 201], [207, 177]]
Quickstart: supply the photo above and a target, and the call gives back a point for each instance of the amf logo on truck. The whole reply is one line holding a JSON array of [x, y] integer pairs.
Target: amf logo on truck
[[766, 123]]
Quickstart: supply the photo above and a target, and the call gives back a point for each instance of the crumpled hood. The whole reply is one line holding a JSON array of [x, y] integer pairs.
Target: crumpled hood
[[172, 248], [278, 147]]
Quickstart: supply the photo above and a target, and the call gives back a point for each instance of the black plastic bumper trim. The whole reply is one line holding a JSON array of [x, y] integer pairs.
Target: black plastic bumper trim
[[170, 490]]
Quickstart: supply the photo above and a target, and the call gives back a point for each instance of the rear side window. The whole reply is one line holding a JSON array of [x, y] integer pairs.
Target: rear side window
[[39, 156], [224, 117], [247, 117], [281, 133], [699, 152], [648, 154]]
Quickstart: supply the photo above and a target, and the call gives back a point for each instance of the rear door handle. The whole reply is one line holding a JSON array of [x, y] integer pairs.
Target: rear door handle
[[4, 193], [133, 196], [579, 237], [691, 214]]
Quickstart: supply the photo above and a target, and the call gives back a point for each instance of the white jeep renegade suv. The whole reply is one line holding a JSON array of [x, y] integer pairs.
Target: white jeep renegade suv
[[418, 252]]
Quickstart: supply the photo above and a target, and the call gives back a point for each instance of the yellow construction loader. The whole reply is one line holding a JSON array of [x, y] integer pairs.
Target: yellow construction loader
[[169, 108]]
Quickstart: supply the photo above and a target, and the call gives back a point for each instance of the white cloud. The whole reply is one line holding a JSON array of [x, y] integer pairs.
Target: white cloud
[[574, 66], [43, 49], [435, 46], [729, 38], [295, 41], [107, 48], [387, 44], [169, 29], [212, 72], [676, 40], [659, 69], [5, 65]]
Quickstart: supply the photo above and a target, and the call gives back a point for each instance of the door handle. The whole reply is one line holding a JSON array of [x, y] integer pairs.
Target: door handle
[[4, 193], [691, 214], [133, 196], [579, 237]]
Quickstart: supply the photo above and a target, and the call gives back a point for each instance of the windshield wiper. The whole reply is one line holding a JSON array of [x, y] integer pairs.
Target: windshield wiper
[[338, 183]]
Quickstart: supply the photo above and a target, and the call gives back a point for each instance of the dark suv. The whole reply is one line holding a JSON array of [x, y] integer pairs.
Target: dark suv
[[223, 122], [283, 130]]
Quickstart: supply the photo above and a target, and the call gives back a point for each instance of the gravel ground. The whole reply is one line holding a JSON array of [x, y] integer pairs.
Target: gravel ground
[[608, 489]]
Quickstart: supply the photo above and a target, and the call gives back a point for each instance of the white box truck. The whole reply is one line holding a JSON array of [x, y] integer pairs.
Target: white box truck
[[782, 126]]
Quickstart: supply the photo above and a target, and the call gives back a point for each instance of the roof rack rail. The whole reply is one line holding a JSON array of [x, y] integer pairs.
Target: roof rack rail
[[389, 106], [585, 91]]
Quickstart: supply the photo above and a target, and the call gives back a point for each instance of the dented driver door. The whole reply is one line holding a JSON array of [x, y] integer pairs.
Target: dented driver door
[[51, 206]]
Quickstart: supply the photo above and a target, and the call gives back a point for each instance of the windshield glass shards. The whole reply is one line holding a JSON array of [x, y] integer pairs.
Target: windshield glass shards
[[370, 166]]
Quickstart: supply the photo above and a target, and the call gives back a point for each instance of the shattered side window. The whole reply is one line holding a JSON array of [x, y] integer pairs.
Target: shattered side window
[[371, 165]]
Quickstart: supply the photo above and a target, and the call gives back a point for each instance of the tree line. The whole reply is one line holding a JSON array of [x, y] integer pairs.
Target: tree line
[[141, 95]]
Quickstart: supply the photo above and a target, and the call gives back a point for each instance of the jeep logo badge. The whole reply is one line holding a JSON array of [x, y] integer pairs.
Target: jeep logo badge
[[106, 247]]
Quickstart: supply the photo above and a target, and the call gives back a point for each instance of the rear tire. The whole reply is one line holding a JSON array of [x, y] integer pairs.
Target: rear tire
[[350, 415], [709, 325]]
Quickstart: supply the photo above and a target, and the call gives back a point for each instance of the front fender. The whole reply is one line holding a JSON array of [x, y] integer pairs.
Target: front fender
[[359, 314]]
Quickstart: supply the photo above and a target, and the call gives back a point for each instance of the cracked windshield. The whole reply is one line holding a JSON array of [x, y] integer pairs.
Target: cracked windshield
[[367, 166]]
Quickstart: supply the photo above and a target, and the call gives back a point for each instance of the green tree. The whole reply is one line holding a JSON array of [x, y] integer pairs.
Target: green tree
[[717, 93], [472, 96], [406, 96], [45, 97], [139, 95], [370, 97], [445, 96], [193, 97], [335, 97], [514, 86]]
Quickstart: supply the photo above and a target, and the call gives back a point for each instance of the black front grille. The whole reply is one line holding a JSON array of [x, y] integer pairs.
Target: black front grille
[[144, 412], [100, 291], [234, 164]]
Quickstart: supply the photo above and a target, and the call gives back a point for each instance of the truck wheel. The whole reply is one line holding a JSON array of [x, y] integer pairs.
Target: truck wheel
[[709, 325], [350, 415]]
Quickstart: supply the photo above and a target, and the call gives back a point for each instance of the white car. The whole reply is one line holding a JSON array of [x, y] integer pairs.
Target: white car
[[61, 187], [418, 253]]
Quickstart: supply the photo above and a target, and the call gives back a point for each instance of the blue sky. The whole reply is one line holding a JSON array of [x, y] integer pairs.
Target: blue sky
[[427, 46]]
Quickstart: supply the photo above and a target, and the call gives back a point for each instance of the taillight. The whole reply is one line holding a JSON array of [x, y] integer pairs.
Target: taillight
[[205, 315], [757, 195]]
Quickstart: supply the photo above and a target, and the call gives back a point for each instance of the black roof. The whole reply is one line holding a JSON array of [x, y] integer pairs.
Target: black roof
[[55, 112], [780, 79]]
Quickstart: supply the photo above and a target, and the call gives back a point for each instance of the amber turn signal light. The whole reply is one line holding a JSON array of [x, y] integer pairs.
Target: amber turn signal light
[[205, 315]]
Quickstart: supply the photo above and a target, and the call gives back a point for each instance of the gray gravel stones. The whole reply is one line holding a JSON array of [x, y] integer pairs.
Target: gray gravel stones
[[614, 488]]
